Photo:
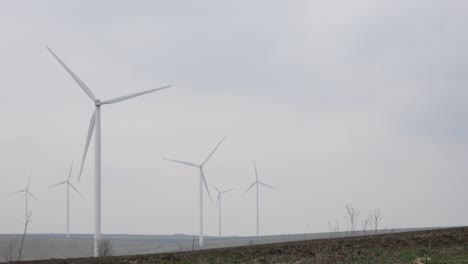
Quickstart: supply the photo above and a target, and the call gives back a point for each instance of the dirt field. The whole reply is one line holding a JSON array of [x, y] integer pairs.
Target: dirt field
[[436, 246]]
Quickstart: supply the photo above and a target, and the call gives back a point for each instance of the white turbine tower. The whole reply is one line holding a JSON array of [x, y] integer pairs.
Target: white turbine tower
[[218, 204], [95, 126], [257, 183], [27, 194], [202, 182], [69, 184]]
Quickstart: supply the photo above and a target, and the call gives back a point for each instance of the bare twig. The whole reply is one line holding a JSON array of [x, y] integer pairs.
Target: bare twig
[[333, 229], [376, 217], [8, 255], [351, 217], [105, 247], [20, 252], [366, 223]]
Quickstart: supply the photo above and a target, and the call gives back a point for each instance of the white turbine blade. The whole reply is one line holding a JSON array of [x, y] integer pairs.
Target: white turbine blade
[[253, 184], [206, 187], [32, 196], [70, 173], [183, 162], [18, 192], [266, 185], [214, 186], [29, 181], [73, 75], [60, 183], [217, 200], [211, 154], [126, 97], [76, 189], [256, 173], [228, 190], [88, 139]]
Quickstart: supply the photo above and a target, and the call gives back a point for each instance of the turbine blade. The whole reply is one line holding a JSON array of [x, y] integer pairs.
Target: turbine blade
[[60, 183], [29, 181], [266, 185], [32, 196], [18, 192], [74, 188], [211, 154], [256, 173], [73, 75], [126, 97], [228, 190], [70, 173], [183, 162], [217, 200], [206, 186], [253, 184], [214, 186], [88, 139]]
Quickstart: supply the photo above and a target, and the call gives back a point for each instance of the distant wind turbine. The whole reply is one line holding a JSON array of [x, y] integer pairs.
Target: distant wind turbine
[[69, 184], [202, 182], [95, 125], [218, 203], [27, 194], [257, 183]]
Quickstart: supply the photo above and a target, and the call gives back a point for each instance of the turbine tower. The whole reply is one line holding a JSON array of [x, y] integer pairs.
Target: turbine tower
[[27, 194], [218, 203], [257, 183], [202, 182], [95, 126], [69, 184]]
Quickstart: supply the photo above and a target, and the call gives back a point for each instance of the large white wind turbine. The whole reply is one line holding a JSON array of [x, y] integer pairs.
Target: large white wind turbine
[[257, 183], [69, 184], [202, 182], [218, 203], [95, 126], [27, 193]]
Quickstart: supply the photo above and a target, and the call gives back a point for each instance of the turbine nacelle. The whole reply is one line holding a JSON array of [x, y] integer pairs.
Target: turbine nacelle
[[200, 166], [68, 183], [257, 182], [220, 193], [26, 190]]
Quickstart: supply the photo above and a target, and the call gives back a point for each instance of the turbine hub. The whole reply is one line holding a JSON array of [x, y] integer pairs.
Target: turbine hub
[[97, 103]]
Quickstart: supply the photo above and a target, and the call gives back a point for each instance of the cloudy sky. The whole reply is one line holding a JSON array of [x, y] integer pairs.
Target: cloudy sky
[[361, 102]]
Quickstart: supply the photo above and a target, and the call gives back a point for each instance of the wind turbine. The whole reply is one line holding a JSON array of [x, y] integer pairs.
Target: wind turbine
[[95, 126], [202, 182], [27, 193], [218, 203], [257, 183], [69, 184]]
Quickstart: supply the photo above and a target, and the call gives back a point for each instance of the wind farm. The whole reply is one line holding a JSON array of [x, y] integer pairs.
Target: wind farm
[[233, 132]]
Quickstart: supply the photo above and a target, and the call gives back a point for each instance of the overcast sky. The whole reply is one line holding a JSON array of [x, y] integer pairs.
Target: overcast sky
[[361, 102]]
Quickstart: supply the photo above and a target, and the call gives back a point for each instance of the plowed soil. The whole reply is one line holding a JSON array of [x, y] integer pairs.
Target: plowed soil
[[435, 246]]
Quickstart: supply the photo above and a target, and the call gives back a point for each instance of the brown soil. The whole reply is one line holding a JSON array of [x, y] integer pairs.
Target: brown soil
[[435, 246]]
